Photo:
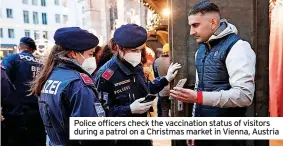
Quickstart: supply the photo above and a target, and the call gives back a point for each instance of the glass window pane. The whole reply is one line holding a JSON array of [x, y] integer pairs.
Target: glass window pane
[[43, 3], [36, 34], [27, 33], [35, 17], [57, 18], [34, 2], [44, 18], [9, 13], [26, 17], [1, 32], [25, 1], [11, 33]]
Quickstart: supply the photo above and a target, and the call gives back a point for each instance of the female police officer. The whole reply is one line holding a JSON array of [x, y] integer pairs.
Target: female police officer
[[121, 80], [64, 86]]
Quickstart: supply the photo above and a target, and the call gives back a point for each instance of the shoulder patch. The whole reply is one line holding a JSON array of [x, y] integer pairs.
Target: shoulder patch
[[86, 79], [107, 74]]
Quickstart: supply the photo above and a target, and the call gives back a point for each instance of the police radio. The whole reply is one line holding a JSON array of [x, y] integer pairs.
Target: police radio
[[104, 101]]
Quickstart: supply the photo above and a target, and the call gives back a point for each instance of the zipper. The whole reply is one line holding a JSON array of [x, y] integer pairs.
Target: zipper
[[207, 49], [132, 96], [133, 93]]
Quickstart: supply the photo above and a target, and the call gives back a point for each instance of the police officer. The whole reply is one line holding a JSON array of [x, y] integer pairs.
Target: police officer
[[23, 125], [64, 86], [121, 80]]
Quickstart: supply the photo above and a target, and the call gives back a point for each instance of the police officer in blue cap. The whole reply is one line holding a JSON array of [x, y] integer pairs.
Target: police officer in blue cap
[[22, 124], [64, 86], [121, 80]]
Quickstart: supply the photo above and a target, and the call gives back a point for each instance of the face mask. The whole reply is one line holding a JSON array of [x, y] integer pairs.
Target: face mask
[[133, 58], [89, 64]]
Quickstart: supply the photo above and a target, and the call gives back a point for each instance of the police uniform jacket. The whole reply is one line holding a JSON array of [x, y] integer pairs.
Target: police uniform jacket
[[21, 69], [68, 92]]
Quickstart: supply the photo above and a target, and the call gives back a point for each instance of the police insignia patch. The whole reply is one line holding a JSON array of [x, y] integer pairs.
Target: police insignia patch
[[86, 79], [105, 96], [99, 110], [107, 74], [122, 82]]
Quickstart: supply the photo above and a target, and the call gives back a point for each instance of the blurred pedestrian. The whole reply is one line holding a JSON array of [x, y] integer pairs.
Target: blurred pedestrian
[[109, 50], [160, 66]]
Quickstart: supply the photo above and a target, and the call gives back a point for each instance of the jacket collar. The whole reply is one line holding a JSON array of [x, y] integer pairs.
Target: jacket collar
[[26, 51]]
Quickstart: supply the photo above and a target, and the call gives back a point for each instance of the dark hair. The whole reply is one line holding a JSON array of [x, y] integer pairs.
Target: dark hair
[[112, 45], [143, 56], [50, 63], [204, 7], [97, 50], [26, 47], [108, 52], [106, 55]]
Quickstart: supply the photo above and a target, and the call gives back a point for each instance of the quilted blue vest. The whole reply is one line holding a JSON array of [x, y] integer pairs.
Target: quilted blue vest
[[213, 75]]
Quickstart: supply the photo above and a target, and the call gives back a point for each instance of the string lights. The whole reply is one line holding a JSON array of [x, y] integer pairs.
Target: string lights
[[155, 21], [147, 5]]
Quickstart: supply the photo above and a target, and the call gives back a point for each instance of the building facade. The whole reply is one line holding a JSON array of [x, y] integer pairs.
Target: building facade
[[102, 17], [37, 19]]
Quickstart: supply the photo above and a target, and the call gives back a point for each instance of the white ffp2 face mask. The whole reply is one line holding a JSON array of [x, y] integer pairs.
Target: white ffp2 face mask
[[133, 58], [89, 64]]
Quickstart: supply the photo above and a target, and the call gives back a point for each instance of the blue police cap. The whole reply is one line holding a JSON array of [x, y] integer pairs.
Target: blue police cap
[[75, 38], [130, 36], [27, 41]]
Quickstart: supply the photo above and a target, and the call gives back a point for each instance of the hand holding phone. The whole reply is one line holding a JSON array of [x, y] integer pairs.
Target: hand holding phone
[[149, 98], [138, 107], [181, 84]]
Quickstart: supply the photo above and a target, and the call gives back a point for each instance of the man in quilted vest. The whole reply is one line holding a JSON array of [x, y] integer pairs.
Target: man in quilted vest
[[225, 69]]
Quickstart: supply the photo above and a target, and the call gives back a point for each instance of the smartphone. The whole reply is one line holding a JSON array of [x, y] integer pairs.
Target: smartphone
[[149, 98], [181, 83]]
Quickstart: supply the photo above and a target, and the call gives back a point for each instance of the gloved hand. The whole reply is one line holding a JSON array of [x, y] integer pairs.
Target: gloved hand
[[172, 71], [138, 108]]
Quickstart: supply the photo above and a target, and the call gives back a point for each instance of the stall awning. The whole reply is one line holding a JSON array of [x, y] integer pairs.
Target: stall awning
[[7, 46]]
